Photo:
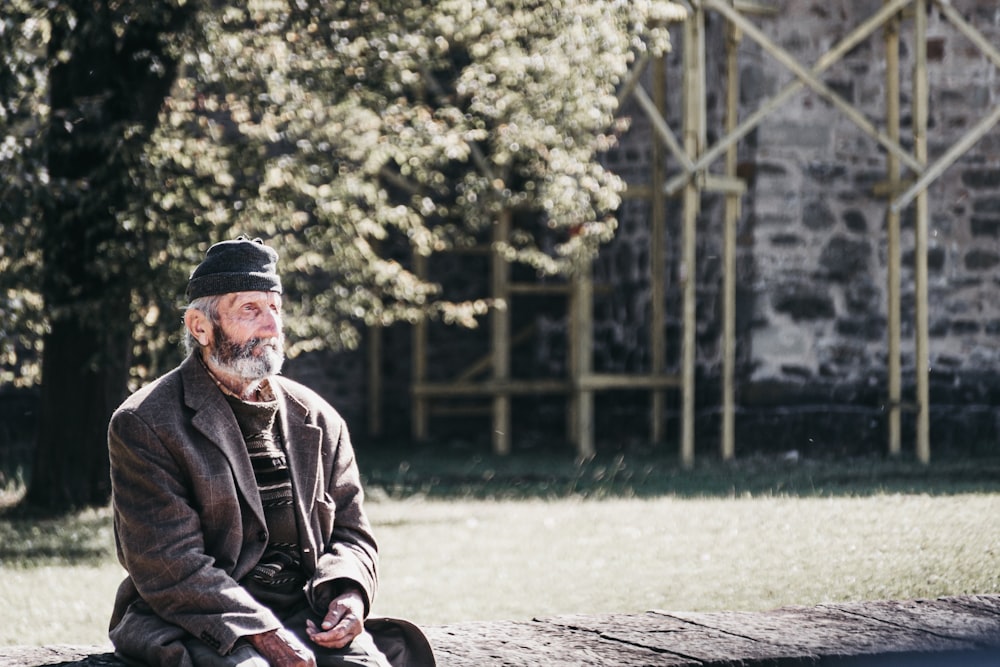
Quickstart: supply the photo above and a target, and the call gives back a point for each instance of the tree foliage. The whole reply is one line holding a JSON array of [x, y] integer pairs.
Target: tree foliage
[[350, 134], [81, 85], [356, 134], [23, 113]]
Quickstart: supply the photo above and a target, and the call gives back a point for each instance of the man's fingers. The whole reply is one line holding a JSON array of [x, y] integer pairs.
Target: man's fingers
[[334, 615], [344, 620], [346, 628]]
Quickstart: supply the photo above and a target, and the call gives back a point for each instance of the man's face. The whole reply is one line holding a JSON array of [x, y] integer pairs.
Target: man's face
[[248, 340]]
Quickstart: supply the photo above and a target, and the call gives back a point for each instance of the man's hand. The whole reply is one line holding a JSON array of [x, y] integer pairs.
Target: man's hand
[[282, 649], [343, 622]]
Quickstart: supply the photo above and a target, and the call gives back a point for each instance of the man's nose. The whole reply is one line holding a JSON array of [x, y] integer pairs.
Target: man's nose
[[271, 321]]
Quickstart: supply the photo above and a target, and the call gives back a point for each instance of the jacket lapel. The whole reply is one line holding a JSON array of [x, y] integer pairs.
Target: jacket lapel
[[215, 420], [303, 442]]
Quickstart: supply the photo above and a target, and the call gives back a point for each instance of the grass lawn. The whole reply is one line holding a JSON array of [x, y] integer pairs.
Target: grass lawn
[[518, 559], [467, 537]]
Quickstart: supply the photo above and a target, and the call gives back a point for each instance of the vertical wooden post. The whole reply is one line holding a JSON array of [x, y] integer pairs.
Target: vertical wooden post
[[920, 115], [374, 380], [500, 336], [420, 418], [572, 363], [657, 259], [732, 214], [693, 141], [581, 361], [893, 366]]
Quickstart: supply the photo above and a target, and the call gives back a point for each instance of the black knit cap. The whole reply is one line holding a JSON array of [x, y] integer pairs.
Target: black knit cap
[[240, 265]]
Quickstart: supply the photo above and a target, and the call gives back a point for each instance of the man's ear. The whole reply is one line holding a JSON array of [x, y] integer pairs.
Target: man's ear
[[199, 325]]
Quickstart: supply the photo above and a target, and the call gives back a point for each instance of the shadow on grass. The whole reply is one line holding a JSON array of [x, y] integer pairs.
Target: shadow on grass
[[453, 472], [82, 538]]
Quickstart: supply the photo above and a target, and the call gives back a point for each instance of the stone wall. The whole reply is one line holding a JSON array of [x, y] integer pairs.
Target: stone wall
[[812, 265], [812, 256], [819, 234]]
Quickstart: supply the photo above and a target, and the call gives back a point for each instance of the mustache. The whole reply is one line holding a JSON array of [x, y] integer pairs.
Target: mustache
[[229, 350], [254, 343]]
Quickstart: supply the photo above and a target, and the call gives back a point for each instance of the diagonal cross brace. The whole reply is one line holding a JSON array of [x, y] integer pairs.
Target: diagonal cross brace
[[860, 33], [970, 138], [809, 77]]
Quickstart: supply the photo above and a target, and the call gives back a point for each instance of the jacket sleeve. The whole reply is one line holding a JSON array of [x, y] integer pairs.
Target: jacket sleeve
[[350, 553], [160, 539]]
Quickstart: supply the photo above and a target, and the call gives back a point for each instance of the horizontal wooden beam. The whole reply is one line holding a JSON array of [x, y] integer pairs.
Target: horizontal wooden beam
[[489, 388], [539, 288], [599, 381], [590, 382]]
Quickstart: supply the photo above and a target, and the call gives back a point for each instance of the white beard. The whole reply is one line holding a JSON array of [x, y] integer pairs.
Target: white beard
[[243, 362]]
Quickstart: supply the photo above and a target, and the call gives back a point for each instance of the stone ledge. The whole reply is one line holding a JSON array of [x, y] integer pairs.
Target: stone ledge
[[962, 630]]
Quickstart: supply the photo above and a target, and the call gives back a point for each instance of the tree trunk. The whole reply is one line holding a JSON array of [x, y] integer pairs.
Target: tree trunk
[[108, 77], [78, 396]]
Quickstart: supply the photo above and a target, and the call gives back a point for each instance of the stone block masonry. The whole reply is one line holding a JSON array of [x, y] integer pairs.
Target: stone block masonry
[[812, 336]]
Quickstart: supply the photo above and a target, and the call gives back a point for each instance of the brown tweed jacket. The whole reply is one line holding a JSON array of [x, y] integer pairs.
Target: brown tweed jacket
[[189, 522]]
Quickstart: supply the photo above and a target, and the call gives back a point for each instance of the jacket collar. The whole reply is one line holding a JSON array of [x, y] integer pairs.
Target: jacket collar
[[215, 420]]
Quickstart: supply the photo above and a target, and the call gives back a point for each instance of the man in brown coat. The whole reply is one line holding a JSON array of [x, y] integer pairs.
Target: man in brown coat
[[237, 501]]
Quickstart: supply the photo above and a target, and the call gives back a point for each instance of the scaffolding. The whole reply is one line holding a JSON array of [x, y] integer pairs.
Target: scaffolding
[[693, 159]]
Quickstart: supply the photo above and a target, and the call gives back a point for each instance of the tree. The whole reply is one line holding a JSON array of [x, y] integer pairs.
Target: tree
[[351, 134], [106, 72], [21, 84], [348, 129]]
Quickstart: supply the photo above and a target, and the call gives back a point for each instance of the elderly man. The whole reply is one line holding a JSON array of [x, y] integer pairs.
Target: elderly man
[[237, 501]]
